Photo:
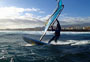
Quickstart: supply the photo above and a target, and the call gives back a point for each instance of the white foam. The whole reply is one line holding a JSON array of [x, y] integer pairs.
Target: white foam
[[3, 57], [12, 60], [72, 42], [75, 32], [28, 45], [82, 42]]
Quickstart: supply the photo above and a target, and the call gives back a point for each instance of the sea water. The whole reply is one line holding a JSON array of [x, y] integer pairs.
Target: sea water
[[71, 47]]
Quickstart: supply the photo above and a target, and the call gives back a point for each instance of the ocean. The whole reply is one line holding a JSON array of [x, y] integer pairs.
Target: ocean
[[71, 47]]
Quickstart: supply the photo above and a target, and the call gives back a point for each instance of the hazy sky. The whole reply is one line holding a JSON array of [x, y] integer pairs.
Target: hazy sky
[[33, 13]]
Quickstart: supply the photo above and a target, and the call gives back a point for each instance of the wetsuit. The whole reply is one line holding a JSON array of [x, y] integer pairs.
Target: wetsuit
[[57, 32]]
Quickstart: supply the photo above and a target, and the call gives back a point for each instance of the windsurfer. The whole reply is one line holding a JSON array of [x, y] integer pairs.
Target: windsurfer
[[57, 32]]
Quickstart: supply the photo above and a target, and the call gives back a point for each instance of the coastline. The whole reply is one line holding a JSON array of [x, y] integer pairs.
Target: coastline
[[42, 30]]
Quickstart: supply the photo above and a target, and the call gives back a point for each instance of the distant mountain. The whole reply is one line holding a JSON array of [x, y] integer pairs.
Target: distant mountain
[[42, 28], [79, 25]]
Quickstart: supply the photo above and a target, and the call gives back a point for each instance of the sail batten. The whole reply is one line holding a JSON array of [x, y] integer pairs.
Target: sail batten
[[53, 17]]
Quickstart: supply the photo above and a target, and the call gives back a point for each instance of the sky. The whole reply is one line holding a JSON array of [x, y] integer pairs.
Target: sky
[[34, 13]]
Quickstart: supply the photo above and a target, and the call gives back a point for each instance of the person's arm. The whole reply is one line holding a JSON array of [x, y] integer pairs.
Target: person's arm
[[52, 28], [57, 22]]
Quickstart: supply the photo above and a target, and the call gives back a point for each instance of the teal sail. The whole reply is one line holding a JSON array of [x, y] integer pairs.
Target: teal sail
[[53, 17]]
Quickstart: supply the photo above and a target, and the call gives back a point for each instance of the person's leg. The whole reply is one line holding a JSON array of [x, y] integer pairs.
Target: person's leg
[[51, 39], [56, 38]]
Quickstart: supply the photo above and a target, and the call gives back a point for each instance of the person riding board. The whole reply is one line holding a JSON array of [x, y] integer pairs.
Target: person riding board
[[57, 33]]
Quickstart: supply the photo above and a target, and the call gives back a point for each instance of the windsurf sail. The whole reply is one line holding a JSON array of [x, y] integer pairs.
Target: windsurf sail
[[53, 17]]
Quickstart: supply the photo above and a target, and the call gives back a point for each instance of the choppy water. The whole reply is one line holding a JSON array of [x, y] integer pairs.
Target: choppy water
[[71, 47]]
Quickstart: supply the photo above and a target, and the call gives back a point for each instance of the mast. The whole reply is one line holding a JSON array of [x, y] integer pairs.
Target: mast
[[53, 17]]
